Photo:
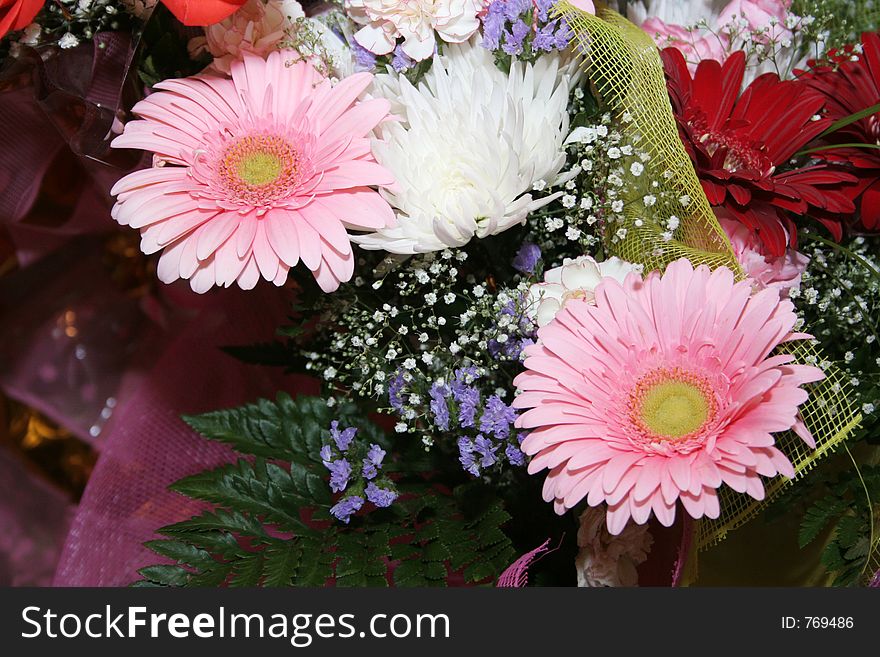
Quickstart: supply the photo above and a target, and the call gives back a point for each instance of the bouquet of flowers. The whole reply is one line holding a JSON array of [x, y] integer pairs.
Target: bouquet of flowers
[[584, 288]]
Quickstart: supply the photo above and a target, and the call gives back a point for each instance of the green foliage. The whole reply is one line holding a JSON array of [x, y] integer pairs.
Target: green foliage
[[163, 52], [849, 508], [269, 354], [270, 523]]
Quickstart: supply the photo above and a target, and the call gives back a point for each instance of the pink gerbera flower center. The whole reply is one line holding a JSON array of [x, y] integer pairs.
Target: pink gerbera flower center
[[672, 405], [260, 168]]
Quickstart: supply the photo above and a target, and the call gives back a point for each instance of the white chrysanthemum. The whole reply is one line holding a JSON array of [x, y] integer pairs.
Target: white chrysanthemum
[[576, 279], [471, 144]]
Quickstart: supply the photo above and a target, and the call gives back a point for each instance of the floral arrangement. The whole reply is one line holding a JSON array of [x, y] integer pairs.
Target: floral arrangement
[[603, 275]]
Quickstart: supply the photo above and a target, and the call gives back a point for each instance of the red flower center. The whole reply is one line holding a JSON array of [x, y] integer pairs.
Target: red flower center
[[738, 151]]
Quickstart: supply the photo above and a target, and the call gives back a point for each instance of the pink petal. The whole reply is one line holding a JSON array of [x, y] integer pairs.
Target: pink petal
[[283, 236], [267, 259], [695, 505], [354, 173], [326, 225], [216, 232], [617, 518], [617, 468]]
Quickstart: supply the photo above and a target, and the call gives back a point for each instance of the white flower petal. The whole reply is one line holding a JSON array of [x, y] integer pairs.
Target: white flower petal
[[471, 144]]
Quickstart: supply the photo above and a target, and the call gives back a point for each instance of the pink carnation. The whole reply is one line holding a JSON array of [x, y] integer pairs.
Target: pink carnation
[[781, 273], [257, 27], [255, 173], [695, 44], [606, 560], [661, 392], [765, 16]]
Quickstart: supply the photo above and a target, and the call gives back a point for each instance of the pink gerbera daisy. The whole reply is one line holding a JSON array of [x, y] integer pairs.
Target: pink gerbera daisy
[[255, 173], [660, 392]]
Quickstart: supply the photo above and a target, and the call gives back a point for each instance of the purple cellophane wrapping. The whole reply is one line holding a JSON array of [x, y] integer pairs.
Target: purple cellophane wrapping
[[148, 446]]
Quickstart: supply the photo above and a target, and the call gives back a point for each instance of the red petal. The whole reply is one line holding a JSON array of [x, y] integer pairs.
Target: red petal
[[870, 207]]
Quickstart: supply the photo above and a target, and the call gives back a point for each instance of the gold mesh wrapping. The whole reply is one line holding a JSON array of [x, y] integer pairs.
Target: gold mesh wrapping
[[829, 415], [873, 568], [623, 63]]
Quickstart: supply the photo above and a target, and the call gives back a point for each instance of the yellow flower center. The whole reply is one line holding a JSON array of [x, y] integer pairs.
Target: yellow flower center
[[256, 169], [674, 409], [671, 404], [260, 168]]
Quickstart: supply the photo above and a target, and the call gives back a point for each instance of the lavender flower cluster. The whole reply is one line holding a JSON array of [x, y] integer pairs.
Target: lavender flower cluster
[[457, 406], [355, 470], [519, 27], [367, 61]]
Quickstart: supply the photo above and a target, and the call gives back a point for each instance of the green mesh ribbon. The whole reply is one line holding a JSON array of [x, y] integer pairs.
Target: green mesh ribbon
[[624, 65]]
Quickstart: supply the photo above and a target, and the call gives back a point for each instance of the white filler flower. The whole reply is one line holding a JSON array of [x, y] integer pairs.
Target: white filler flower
[[471, 143]]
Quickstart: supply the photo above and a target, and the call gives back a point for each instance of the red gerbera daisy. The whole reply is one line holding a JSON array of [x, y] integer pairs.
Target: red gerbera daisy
[[850, 83], [738, 143]]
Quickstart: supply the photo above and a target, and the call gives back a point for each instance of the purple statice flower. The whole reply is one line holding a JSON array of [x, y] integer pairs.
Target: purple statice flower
[[468, 401], [395, 387], [545, 37], [347, 507], [462, 380], [509, 308], [466, 374], [493, 25], [381, 497], [515, 348], [326, 454], [543, 7], [373, 462], [514, 455], [342, 438], [466, 456], [401, 61], [527, 258], [513, 9], [497, 418], [439, 392], [340, 471], [466, 395], [564, 35], [513, 39], [485, 448], [364, 60]]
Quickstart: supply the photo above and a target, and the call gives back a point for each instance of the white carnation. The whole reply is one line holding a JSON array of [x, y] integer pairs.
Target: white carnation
[[576, 279], [606, 560], [415, 21]]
